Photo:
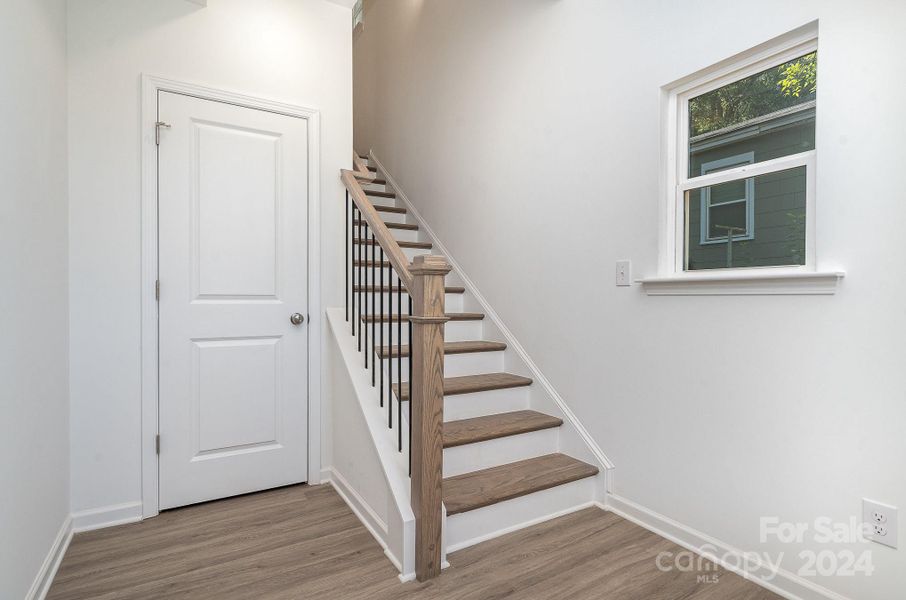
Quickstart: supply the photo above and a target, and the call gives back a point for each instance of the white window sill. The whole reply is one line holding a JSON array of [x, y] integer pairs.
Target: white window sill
[[744, 284]]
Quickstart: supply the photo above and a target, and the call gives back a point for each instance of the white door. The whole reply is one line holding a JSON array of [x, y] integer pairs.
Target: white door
[[233, 206]]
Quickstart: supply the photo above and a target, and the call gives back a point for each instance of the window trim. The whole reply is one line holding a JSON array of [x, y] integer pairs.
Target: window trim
[[746, 158], [676, 160]]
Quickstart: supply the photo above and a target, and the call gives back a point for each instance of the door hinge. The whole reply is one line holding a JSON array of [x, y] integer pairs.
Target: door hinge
[[157, 290], [157, 443], [157, 127]]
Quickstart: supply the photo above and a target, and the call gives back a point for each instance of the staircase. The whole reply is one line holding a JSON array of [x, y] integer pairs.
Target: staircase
[[503, 467]]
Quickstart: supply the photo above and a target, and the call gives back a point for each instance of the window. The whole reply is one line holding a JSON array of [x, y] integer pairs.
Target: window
[[727, 212], [744, 164]]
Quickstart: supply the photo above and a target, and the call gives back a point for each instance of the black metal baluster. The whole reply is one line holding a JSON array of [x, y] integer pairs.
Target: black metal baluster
[[381, 330], [374, 311], [411, 349], [355, 271], [365, 291], [390, 341], [399, 356], [363, 277], [346, 297]]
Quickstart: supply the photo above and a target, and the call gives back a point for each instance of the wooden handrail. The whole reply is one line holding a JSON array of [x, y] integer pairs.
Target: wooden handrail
[[361, 169], [395, 254]]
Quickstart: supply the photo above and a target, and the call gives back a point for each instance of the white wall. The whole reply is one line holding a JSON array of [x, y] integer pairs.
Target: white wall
[[296, 51], [34, 318], [528, 134]]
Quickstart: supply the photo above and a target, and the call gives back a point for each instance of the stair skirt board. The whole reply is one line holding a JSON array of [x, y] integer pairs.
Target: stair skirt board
[[482, 524]]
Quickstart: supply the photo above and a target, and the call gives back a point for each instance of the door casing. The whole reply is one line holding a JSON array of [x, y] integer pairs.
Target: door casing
[[151, 86]]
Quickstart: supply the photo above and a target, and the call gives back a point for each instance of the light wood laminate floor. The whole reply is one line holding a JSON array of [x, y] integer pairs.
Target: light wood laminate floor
[[304, 542]]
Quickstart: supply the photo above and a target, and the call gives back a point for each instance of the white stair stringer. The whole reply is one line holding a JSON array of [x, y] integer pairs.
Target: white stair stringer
[[367, 470]]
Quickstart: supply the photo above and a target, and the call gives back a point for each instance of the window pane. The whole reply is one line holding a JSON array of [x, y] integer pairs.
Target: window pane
[[775, 237], [728, 192], [728, 217], [770, 114]]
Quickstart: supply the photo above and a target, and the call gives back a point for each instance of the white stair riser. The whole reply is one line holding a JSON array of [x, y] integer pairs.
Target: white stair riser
[[387, 217], [452, 302], [472, 363], [501, 451], [411, 253], [471, 527], [454, 331], [390, 217], [405, 235], [465, 406], [400, 235], [363, 252], [457, 365]]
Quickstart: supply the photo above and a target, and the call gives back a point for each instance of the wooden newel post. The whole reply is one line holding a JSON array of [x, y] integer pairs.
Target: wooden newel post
[[426, 393]]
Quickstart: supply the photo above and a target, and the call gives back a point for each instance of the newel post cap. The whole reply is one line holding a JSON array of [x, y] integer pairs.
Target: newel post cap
[[430, 264]]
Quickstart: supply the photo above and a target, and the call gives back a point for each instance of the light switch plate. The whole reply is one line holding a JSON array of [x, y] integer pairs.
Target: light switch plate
[[881, 520], [624, 272]]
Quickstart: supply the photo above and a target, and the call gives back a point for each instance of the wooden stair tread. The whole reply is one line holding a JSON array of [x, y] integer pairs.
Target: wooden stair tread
[[378, 181], [467, 492], [380, 194], [391, 225], [372, 169], [470, 384], [491, 427], [419, 245], [449, 348], [390, 209], [396, 317], [387, 289]]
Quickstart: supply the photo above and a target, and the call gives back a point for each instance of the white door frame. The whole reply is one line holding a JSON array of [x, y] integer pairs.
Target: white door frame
[[151, 86]]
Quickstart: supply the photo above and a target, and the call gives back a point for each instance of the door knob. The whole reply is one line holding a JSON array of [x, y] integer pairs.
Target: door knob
[[296, 318]]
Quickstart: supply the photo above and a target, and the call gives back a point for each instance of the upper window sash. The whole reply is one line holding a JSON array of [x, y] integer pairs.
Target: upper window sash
[[718, 79]]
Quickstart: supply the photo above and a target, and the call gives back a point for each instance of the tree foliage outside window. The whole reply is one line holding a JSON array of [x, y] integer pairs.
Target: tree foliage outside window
[[777, 88]]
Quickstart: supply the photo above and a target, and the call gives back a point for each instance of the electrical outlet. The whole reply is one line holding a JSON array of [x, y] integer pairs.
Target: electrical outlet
[[881, 521], [624, 272]]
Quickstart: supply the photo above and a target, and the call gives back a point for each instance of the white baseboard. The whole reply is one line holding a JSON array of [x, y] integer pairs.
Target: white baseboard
[[107, 516], [369, 518], [784, 583], [48, 570]]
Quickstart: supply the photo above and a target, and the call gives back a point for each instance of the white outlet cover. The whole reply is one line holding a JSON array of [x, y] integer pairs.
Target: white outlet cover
[[881, 519]]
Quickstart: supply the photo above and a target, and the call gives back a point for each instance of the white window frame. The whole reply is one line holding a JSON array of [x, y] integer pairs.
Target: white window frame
[[676, 158], [746, 158]]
